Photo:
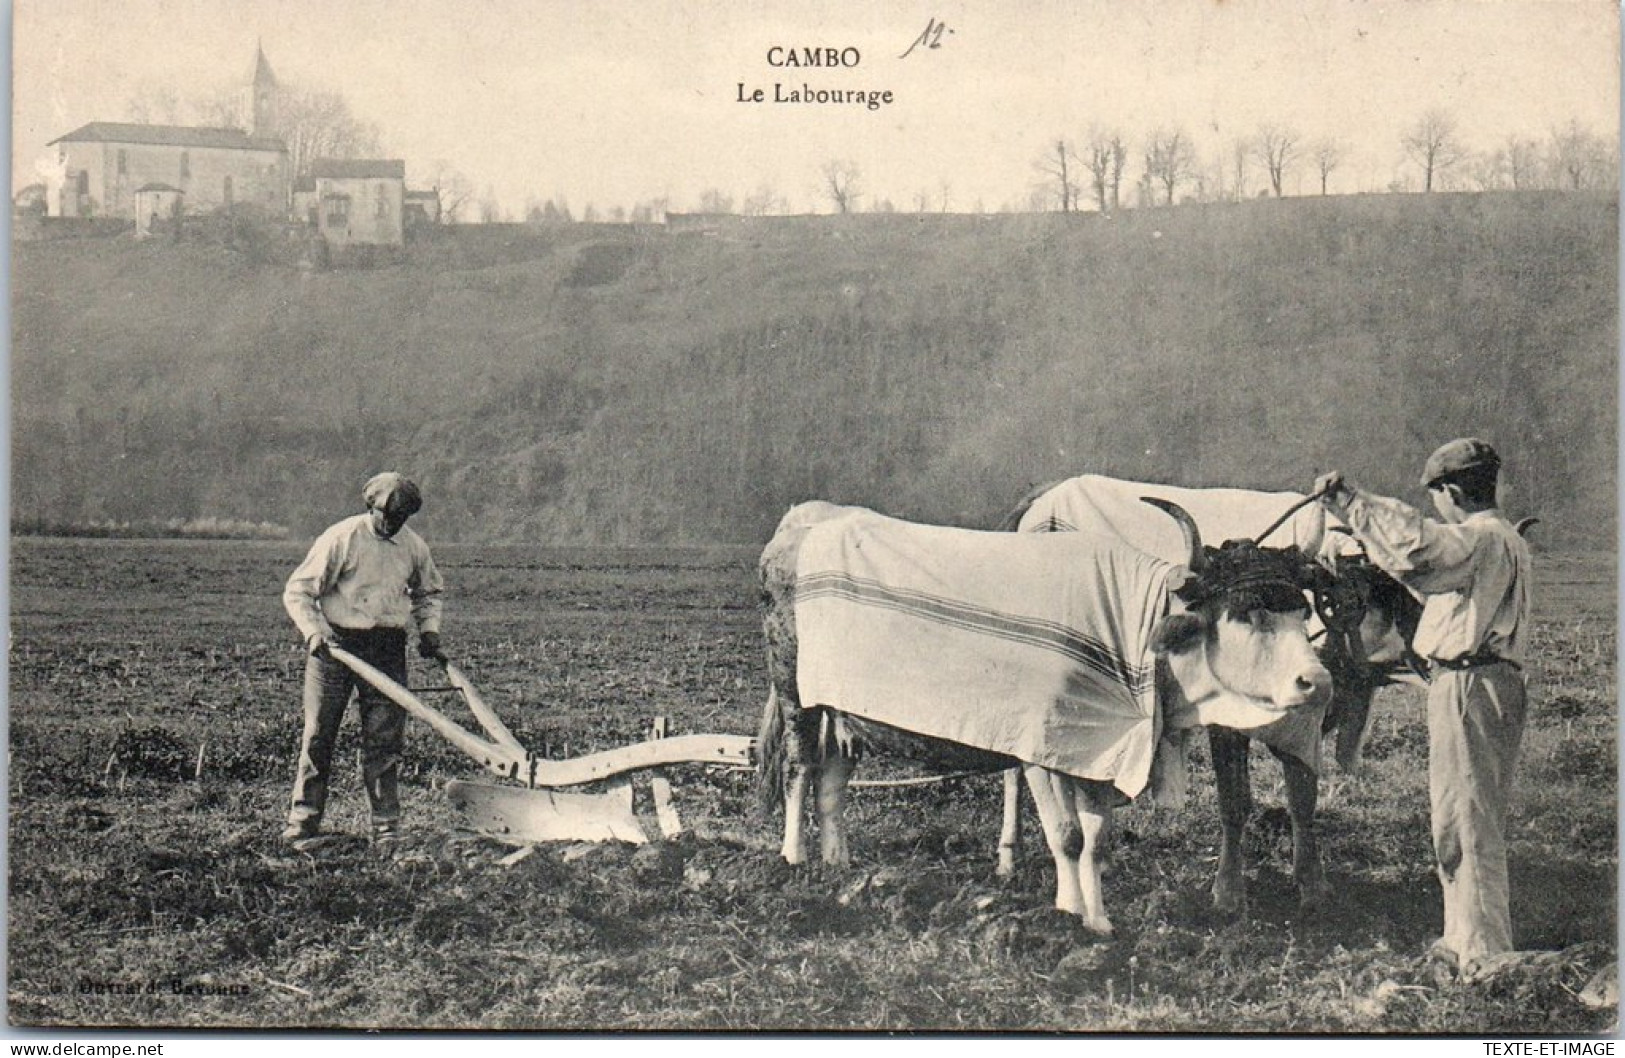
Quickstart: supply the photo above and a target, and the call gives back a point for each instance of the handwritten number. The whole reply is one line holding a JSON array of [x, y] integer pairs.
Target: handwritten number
[[931, 38]]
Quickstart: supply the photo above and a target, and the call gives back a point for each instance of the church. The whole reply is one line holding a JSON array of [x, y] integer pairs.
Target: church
[[110, 168]]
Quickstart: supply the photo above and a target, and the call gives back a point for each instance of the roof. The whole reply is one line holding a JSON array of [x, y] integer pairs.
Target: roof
[[358, 169], [423, 194], [262, 69], [158, 187], [169, 136]]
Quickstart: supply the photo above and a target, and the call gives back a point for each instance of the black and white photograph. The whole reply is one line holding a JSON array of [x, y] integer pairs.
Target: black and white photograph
[[1003, 518]]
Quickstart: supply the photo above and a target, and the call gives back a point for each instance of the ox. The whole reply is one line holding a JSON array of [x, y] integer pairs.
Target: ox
[[1221, 640], [1368, 619]]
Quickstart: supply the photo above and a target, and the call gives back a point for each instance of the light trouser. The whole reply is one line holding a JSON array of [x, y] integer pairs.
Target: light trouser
[[1475, 722], [328, 685]]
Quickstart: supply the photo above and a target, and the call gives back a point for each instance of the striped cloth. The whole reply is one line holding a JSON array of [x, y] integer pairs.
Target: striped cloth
[[1111, 507], [1034, 646]]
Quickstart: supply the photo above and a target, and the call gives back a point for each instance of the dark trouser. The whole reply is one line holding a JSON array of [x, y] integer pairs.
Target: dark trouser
[[328, 684]]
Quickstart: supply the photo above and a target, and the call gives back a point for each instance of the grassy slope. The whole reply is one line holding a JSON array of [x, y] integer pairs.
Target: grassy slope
[[602, 382]]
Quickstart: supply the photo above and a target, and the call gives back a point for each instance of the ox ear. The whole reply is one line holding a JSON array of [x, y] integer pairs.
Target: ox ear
[[1178, 633]]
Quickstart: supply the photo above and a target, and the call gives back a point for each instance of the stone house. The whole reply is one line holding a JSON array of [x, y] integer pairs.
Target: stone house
[[359, 202], [105, 163]]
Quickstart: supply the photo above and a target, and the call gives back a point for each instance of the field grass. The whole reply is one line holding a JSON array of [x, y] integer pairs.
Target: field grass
[[154, 720]]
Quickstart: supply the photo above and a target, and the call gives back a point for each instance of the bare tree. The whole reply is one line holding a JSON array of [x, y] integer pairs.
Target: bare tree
[[455, 191], [1328, 155], [1522, 156], [1104, 159], [1489, 169], [224, 109], [1170, 161], [490, 209], [763, 202], [1581, 159], [841, 185], [156, 104], [1432, 144], [1057, 167], [1241, 152], [318, 124], [714, 201], [1277, 146]]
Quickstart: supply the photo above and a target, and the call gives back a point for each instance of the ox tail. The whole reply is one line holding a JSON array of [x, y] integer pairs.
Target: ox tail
[[770, 756]]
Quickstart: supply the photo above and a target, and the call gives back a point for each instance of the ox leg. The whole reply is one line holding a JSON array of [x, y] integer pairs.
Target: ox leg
[[1057, 814], [1235, 791], [1095, 821], [1302, 797], [837, 760], [1010, 832], [801, 765]]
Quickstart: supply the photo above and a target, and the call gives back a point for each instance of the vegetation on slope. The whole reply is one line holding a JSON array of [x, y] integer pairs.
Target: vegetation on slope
[[604, 383]]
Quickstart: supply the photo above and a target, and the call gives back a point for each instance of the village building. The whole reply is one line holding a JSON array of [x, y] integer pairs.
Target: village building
[[152, 174], [155, 205], [359, 202], [422, 209], [105, 163]]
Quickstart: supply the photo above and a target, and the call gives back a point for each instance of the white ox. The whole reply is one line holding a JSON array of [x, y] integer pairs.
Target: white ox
[[1367, 649], [1231, 655]]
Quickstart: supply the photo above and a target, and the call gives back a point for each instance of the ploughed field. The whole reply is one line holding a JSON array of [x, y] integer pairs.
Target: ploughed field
[[154, 717]]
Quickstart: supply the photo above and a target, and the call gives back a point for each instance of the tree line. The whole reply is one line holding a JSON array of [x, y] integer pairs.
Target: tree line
[[1167, 166], [1106, 170]]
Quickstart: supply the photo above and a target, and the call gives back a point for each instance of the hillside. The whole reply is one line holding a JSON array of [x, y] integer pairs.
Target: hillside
[[615, 384]]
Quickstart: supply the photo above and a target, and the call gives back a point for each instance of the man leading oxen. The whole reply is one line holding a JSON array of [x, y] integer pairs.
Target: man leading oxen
[[1367, 619], [1079, 656]]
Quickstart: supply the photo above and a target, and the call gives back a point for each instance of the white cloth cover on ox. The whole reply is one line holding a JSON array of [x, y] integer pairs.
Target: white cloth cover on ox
[[1112, 507], [1035, 646]]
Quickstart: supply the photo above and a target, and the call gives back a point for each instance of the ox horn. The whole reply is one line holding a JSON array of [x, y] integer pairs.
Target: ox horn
[[1525, 524], [1193, 535]]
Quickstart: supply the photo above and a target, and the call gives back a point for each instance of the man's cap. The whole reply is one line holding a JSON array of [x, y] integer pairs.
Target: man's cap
[[379, 491], [1454, 457]]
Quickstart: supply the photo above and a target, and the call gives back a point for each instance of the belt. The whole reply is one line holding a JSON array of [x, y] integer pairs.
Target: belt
[[1470, 661]]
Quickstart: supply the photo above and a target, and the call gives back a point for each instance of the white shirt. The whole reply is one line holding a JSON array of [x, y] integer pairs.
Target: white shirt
[[1474, 574], [353, 578]]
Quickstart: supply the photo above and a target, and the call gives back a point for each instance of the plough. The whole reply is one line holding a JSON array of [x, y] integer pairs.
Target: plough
[[547, 807]]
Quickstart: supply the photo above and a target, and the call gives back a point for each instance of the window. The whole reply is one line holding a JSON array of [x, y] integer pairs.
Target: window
[[84, 181], [186, 165], [338, 211], [226, 190], [123, 162]]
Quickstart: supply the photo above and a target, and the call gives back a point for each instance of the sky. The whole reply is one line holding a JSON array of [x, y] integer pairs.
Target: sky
[[611, 104]]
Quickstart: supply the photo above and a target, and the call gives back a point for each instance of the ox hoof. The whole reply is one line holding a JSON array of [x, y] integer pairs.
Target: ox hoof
[[1228, 901], [1315, 897], [1098, 928]]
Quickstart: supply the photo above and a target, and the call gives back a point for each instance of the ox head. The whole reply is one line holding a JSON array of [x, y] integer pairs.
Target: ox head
[[1245, 616]]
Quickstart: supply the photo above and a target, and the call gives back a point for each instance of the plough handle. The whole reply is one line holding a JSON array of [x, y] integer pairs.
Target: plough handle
[[483, 713], [502, 760]]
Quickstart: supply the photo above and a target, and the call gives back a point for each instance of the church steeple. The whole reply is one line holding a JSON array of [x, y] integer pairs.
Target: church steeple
[[263, 108]]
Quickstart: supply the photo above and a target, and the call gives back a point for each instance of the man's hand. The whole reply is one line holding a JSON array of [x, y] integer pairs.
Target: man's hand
[[1331, 487], [429, 646], [316, 646]]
